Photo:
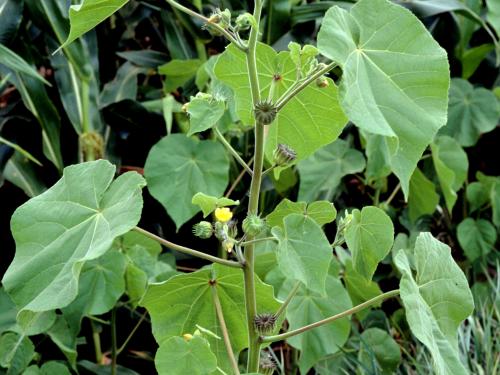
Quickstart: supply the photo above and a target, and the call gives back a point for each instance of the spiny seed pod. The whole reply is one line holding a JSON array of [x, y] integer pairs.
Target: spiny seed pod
[[284, 155], [264, 323], [267, 364], [265, 112], [253, 225], [203, 229]]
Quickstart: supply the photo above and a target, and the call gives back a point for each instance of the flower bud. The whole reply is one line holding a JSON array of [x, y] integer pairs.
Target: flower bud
[[284, 155], [253, 225], [228, 245], [187, 337], [265, 112], [203, 229], [244, 21]]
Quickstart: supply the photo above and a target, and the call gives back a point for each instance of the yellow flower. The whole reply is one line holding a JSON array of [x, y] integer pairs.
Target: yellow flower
[[187, 336], [223, 214]]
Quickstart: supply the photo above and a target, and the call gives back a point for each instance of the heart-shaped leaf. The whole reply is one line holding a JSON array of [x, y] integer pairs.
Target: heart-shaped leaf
[[73, 222], [178, 167], [407, 100], [322, 212]]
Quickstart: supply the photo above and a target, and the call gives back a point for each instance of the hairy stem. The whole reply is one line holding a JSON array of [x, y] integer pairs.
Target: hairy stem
[[187, 250], [253, 205], [97, 343], [233, 152], [223, 328], [331, 319], [302, 85], [257, 240], [289, 298]]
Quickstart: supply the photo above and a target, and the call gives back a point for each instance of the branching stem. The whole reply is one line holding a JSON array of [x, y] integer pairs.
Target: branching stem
[[355, 309], [289, 298], [233, 152], [187, 250]]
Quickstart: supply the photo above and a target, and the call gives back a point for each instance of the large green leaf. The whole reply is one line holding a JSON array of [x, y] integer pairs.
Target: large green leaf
[[322, 212], [88, 14], [369, 236], [177, 356], [73, 222], [15, 62], [8, 312], [178, 167], [423, 198], [379, 352], [436, 301], [304, 252], [310, 120], [321, 173], [407, 100], [476, 237], [472, 111], [451, 165], [360, 289], [494, 14], [308, 307], [101, 284], [179, 304]]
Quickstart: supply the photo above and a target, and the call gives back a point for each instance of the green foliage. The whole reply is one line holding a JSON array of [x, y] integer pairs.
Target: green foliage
[[196, 166], [406, 101], [369, 235], [436, 301], [310, 120], [68, 225], [322, 212], [472, 111], [178, 305], [250, 127], [303, 251]]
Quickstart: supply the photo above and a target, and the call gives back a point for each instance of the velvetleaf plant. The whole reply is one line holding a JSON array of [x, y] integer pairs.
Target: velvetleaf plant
[[394, 84]]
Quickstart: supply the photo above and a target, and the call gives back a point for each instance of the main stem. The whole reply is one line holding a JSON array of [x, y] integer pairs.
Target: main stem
[[253, 205]]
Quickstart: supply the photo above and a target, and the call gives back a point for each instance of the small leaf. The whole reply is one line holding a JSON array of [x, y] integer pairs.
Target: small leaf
[[177, 356], [369, 236], [88, 14], [472, 112], [436, 301], [304, 252], [378, 345], [123, 86], [204, 113], [451, 164], [322, 212], [321, 173], [308, 307], [73, 222], [406, 101], [476, 237], [423, 198], [208, 204], [178, 167]]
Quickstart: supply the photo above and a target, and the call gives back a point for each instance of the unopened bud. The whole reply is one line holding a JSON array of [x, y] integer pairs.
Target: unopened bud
[[244, 21], [187, 336], [322, 82]]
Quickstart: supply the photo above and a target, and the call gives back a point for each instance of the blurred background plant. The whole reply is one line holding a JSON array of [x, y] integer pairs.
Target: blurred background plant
[[114, 93]]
